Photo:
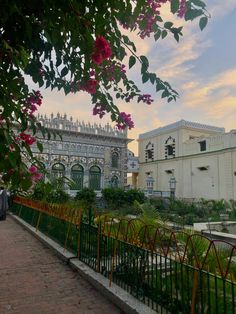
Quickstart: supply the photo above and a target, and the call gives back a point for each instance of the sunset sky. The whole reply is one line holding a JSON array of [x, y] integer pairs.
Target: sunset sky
[[201, 67]]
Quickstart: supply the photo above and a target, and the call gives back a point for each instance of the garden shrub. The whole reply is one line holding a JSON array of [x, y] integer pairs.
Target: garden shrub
[[86, 197], [57, 196], [114, 197], [134, 195]]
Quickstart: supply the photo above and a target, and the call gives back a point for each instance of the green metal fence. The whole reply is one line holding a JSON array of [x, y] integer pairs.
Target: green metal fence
[[163, 283], [61, 231]]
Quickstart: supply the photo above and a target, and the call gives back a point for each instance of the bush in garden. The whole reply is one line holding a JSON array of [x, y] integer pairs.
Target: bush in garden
[[41, 190], [51, 192], [159, 203], [114, 197], [86, 197], [57, 196], [134, 195]]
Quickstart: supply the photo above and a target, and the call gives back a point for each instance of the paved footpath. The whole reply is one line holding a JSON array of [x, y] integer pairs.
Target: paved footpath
[[34, 280]]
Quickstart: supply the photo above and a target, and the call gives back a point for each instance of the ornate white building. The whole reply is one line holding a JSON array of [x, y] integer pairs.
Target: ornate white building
[[89, 154], [200, 157]]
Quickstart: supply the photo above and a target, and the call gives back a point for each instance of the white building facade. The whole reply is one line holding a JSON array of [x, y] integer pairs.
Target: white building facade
[[201, 158], [89, 155]]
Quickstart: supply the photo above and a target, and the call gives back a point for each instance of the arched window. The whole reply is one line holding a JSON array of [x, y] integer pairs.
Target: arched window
[[170, 148], [114, 160], [77, 175], [95, 178], [149, 152], [58, 171], [114, 182]]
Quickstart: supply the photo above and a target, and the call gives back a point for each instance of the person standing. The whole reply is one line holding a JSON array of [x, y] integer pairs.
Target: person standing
[[3, 203]]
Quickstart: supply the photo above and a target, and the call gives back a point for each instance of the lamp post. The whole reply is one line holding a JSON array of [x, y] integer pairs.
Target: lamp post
[[172, 183], [150, 182]]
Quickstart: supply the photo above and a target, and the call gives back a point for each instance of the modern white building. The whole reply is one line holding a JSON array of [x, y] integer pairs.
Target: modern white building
[[201, 158], [89, 154]]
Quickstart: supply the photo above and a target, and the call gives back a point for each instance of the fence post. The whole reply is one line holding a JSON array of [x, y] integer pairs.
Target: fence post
[[79, 234], [98, 246], [68, 230], [37, 226], [194, 290], [113, 261], [21, 206]]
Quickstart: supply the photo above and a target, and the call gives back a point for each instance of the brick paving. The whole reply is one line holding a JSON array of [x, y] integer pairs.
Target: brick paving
[[34, 280]]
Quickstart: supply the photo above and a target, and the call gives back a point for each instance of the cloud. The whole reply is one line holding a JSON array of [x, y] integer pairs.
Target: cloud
[[219, 9], [212, 99], [205, 90]]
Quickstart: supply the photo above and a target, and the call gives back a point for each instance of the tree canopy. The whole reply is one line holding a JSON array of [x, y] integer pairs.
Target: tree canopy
[[75, 46]]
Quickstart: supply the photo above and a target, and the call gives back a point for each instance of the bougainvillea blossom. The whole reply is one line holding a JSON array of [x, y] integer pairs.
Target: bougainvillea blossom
[[126, 121], [100, 110], [36, 175], [27, 138], [34, 100], [90, 86], [182, 9], [146, 98], [102, 50]]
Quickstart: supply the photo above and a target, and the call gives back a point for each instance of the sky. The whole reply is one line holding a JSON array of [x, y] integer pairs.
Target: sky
[[201, 67]]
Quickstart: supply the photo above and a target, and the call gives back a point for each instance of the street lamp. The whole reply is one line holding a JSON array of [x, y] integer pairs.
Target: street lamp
[[172, 183], [150, 182]]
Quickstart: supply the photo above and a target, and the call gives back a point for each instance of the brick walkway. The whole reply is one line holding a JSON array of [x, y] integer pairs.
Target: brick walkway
[[34, 280]]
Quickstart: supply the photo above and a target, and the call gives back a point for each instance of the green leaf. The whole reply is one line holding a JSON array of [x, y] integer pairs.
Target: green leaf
[[159, 19], [199, 3], [203, 22], [176, 36], [174, 6], [145, 77], [159, 85], [144, 61], [157, 34], [168, 25], [40, 146], [152, 77], [12, 159], [145, 64], [163, 34], [192, 14], [165, 94], [64, 71], [132, 61]]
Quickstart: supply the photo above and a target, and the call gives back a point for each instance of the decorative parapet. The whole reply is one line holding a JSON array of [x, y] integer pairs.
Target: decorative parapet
[[182, 124], [60, 122]]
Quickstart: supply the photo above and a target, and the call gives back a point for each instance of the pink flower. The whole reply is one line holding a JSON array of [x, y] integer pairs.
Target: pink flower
[[146, 98], [90, 86], [97, 58], [37, 176], [99, 109], [125, 121], [182, 9], [102, 50], [33, 169], [34, 100], [27, 138]]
